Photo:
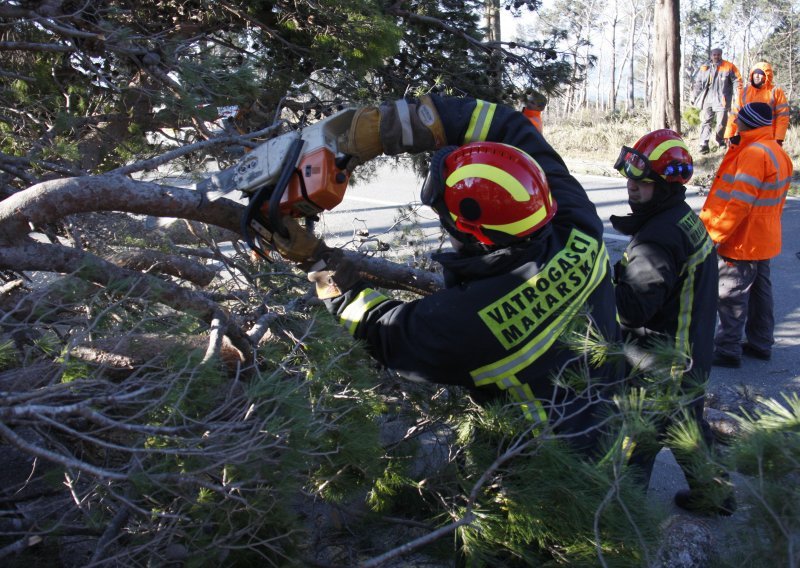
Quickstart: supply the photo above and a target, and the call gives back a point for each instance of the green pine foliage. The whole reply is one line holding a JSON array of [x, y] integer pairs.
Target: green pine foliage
[[546, 505]]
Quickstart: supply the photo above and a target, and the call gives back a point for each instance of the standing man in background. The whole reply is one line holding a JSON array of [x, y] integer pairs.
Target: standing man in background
[[716, 84], [743, 217], [761, 89]]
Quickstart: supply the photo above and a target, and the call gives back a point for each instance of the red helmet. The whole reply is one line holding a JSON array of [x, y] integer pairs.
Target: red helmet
[[661, 152], [494, 192]]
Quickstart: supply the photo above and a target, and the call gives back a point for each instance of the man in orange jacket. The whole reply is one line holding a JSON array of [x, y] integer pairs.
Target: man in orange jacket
[[716, 84], [761, 89], [743, 217]]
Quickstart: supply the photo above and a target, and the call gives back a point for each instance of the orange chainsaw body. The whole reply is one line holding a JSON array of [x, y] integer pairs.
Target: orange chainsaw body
[[318, 185]]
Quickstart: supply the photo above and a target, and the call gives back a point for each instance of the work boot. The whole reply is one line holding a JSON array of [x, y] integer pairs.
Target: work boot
[[696, 502], [755, 352], [704, 148], [729, 361]]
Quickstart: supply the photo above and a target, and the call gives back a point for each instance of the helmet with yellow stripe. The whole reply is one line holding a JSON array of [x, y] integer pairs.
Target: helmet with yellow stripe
[[489, 192], [661, 152]]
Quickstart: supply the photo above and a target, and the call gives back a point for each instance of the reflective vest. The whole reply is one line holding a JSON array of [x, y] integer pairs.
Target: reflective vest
[[743, 209], [767, 93]]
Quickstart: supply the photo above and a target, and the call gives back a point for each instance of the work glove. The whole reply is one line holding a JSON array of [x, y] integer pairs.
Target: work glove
[[404, 125], [327, 267], [301, 246], [363, 140]]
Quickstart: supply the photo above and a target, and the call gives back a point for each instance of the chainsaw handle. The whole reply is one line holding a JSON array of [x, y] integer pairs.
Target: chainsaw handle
[[289, 165]]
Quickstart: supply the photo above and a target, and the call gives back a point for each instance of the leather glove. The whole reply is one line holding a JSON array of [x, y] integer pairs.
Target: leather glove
[[363, 140], [327, 267], [411, 125], [396, 127], [333, 275], [301, 246]]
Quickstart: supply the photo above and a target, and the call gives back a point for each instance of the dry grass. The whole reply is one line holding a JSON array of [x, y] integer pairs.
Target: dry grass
[[590, 142]]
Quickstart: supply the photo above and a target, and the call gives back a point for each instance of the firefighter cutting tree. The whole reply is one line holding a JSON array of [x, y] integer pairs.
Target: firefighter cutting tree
[[528, 261]]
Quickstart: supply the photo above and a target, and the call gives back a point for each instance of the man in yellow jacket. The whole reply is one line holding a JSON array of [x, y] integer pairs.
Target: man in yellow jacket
[[761, 88], [743, 217]]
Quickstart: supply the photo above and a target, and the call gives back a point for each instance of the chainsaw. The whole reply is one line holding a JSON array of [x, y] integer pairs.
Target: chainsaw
[[299, 173]]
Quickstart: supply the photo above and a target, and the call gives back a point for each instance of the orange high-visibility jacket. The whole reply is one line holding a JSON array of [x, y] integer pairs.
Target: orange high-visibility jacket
[[767, 93], [535, 116], [743, 209]]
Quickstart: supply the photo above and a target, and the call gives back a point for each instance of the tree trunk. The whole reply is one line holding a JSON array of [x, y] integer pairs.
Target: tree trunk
[[631, 43], [666, 110], [493, 35]]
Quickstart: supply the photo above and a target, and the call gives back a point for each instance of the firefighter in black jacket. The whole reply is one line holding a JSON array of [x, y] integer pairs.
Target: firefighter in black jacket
[[529, 258], [666, 290]]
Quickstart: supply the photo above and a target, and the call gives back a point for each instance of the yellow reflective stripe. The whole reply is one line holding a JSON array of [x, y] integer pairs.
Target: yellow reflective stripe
[[493, 174], [519, 227], [527, 308], [540, 343], [531, 407], [682, 343], [352, 315], [626, 445], [480, 121], [664, 146]]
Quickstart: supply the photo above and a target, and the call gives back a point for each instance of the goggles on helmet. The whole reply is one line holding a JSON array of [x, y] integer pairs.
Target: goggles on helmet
[[632, 164], [635, 165]]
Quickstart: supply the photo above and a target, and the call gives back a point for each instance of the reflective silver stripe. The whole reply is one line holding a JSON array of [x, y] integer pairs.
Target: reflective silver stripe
[[354, 312], [404, 114], [755, 182], [474, 134], [751, 199], [742, 196], [770, 201], [771, 155]]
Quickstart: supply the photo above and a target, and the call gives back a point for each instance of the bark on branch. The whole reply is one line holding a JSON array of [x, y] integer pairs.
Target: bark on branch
[[57, 258], [48, 201]]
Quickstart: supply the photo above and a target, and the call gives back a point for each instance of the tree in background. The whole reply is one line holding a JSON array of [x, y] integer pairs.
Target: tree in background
[[666, 100], [83, 86]]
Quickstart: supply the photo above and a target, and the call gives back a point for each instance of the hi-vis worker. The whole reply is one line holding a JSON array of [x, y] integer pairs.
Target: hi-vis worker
[[762, 89], [717, 84], [529, 263], [743, 216], [666, 291]]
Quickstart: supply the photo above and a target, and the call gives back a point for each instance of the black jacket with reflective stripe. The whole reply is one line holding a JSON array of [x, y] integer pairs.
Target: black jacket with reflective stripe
[[498, 325], [668, 288]]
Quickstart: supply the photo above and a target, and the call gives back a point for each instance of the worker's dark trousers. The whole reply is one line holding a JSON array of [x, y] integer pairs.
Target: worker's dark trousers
[[708, 116], [745, 306]]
